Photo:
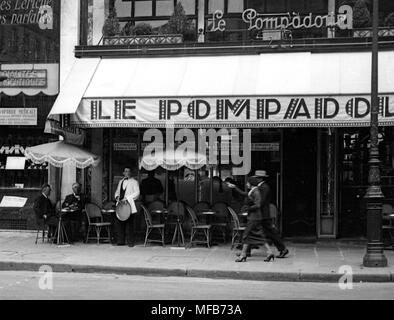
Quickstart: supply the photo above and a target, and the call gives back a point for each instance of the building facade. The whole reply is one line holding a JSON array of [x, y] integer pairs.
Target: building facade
[[295, 73], [29, 70]]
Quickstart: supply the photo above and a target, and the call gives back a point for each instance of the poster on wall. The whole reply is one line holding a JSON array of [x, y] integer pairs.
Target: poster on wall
[[18, 116]]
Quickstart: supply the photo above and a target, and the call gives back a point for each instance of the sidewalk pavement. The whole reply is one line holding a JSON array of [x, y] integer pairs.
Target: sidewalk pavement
[[310, 262]]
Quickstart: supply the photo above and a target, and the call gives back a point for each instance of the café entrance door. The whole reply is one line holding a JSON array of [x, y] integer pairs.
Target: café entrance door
[[299, 182]]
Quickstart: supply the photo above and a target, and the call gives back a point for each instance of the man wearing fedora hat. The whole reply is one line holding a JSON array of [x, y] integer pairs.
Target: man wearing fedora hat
[[269, 230]]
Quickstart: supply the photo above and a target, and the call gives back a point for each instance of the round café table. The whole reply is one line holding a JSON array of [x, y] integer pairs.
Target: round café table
[[208, 216], [61, 234], [162, 213], [112, 213]]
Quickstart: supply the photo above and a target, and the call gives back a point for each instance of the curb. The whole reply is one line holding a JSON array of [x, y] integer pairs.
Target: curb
[[198, 273]]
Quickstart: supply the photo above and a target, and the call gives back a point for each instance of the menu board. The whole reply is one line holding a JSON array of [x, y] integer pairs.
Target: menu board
[[13, 202], [15, 163]]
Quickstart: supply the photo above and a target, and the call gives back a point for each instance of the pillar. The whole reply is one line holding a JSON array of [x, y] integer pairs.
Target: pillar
[[97, 172], [69, 36], [201, 20], [98, 20], [331, 9], [69, 175]]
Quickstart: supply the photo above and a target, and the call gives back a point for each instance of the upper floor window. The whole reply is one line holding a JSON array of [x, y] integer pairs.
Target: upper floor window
[[25, 29], [155, 13], [237, 30]]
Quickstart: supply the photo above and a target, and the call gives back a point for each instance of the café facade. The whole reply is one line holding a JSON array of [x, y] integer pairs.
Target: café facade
[[29, 72], [306, 111]]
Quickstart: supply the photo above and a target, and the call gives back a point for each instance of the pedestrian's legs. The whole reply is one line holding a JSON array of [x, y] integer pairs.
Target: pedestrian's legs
[[268, 248], [245, 249], [120, 232], [272, 235], [130, 230]]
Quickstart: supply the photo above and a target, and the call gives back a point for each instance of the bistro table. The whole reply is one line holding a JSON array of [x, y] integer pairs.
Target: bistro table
[[61, 234], [208, 216], [111, 212], [162, 213]]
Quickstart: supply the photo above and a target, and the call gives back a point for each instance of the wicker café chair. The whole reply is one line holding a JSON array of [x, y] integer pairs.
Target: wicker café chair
[[150, 227], [196, 227], [96, 223], [236, 238], [220, 218]]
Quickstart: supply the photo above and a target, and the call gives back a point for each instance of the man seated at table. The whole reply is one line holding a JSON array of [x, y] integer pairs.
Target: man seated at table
[[45, 211], [76, 202]]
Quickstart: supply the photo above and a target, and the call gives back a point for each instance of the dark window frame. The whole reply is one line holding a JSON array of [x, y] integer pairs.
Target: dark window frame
[[154, 17]]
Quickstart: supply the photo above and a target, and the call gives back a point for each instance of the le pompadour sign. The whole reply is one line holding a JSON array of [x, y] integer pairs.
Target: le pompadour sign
[[282, 21], [234, 112]]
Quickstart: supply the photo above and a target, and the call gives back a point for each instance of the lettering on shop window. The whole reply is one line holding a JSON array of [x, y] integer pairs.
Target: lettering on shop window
[[19, 12], [259, 21]]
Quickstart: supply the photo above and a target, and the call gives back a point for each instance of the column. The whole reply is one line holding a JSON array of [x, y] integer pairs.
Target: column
[[201, 20], [69, 175], [327, 181], [69, 36], [97, 172], [331, 9], [98, 20]]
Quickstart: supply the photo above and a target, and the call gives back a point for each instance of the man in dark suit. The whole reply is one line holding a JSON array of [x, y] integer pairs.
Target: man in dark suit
[[151, 188], [269, 230], [75, 201], [44, 210]]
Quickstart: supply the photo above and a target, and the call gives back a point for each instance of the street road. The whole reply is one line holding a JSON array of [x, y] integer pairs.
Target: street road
[[25, 285]]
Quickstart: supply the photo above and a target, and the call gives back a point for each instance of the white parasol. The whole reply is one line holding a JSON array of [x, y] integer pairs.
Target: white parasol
[[60, 154]]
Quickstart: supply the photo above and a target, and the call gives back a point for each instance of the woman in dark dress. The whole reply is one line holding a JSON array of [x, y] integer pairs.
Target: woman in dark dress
[[253, 234]]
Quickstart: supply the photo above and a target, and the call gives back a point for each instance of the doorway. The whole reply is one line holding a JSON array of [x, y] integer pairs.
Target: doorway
[[299, 182]]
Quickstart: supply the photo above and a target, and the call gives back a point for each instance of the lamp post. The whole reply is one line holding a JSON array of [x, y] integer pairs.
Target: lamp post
[[374, 256]]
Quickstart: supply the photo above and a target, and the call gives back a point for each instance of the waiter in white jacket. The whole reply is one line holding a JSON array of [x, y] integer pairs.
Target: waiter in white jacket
[[127, 191]]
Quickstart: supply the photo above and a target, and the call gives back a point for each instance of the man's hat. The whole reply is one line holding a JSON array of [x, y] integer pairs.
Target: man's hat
[[260, 174]]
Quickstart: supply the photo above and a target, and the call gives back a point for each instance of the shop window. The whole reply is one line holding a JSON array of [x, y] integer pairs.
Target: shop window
[[296, 6], [156, 13], [276, 6], [354, 172], [189, 6], [143, 9], [214, 5], [235, 6], [317, 6], [123, 8], [15, 170], [164, 7], [15, 29]]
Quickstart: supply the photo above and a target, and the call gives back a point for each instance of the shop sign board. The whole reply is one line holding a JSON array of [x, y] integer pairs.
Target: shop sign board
[[282, 21], [125, 146], [265, 146], [24, 78], [233, 112], [18, 116]]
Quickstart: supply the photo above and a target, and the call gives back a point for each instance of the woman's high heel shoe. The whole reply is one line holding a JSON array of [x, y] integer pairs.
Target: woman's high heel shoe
[[270, 257], [240, 259]]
